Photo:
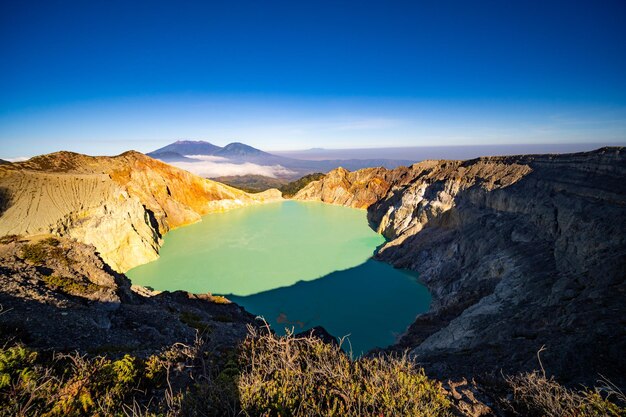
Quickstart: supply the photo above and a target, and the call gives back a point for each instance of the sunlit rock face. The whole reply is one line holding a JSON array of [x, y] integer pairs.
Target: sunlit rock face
[[517, 252], [122, 205]]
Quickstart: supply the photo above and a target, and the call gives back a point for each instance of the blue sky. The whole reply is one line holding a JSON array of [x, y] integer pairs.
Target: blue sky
[[102, 77]]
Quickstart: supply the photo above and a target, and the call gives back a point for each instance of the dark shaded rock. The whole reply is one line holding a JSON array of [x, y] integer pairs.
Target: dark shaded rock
[[70, 300], [518, 252], [320, 333]]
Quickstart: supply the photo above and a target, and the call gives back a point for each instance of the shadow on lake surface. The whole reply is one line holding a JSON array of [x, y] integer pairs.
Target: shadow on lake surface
[[372, 302]]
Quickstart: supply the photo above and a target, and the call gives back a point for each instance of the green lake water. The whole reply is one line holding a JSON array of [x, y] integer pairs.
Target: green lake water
[[297, 264]]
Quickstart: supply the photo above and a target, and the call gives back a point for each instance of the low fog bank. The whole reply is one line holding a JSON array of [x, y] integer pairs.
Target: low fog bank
[[214, 166]]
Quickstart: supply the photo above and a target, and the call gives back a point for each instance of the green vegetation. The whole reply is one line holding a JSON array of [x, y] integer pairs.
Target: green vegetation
[[70, 285], [33, 384], [258, 183], [44, 250], [67, 385], [251, 183], [267, 376], [16, 363], [289, 190], [35, 253]]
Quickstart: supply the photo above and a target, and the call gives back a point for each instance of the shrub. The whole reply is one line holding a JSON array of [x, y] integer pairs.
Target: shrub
[[44, 250], [35, 253], [267, 376], [25, 386], [68, 385], [303, 376], [536, 395], [16, 363], [70, 285]]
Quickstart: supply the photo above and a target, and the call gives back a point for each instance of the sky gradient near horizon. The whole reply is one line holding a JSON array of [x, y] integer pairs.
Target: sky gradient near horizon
[[104, 77]]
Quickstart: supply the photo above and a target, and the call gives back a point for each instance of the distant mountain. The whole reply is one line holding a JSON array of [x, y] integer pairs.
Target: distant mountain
[[3, 162], [189, 147], [239, 153], [238, 150]]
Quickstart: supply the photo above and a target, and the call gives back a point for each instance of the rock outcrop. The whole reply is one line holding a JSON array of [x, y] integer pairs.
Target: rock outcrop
[[358, 189], [122, 205], [58, 294], [518, 252]]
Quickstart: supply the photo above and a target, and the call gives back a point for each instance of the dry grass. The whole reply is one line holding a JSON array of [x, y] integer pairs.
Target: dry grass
[[289, 376], [536, 395], [267, 376]]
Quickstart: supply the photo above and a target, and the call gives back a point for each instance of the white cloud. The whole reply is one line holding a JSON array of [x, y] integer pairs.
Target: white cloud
[[211, 168], [211, 158], [17, 159]]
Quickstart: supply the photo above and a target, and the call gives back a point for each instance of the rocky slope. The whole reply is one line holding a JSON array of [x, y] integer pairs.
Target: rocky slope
[[58, 294], [122, 205], [518, 252]]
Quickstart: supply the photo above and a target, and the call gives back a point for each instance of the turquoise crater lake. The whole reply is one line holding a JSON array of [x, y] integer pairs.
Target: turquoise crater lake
[[297, 264]]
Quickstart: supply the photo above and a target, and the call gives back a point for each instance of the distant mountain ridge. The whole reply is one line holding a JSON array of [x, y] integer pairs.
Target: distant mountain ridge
[[238, 149], [199, 147], [240, 153], [188, 147]]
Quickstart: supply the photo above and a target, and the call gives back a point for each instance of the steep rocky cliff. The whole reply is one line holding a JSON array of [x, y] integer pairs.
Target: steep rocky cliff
[[122, 205], [58, 295], [518, 252]]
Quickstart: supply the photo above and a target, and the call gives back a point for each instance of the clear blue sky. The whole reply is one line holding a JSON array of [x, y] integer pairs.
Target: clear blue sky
[[105, 76]]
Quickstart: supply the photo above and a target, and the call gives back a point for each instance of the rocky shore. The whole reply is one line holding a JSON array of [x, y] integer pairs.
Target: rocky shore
[[518, 253], [122, 205]]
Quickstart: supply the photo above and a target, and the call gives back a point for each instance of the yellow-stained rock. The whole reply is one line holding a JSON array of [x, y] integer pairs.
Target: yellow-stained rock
[[122, 205]]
